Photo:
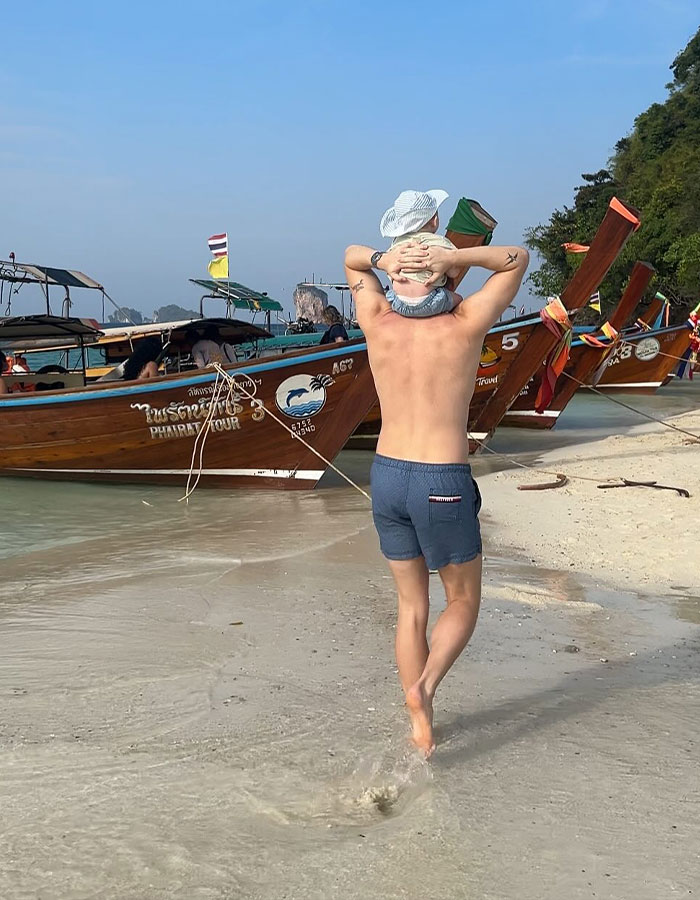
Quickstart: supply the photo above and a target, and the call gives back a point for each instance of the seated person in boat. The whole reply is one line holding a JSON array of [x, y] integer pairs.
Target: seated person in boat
[[414, 219], [3, 366], [143, 362], [335, 333], [209, 348]]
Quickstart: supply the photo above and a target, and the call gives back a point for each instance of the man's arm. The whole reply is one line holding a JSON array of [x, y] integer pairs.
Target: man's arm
[[370, 299], [484, 307]]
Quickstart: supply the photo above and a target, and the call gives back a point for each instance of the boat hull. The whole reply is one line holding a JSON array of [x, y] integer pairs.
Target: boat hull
[[145, 432], [585, 359], [644, 362]]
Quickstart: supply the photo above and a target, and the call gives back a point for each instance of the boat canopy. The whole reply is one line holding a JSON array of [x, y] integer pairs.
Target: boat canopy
[[238, 295], [233, 331], [30, 274], [44, 327]]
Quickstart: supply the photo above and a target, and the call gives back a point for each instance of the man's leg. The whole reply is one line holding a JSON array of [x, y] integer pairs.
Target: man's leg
[[450, 635], [411, 577]]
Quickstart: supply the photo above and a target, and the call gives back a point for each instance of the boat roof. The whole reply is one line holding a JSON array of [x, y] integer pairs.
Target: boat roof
[[239, 295], [69, 330], [229, 329], [26, 273]]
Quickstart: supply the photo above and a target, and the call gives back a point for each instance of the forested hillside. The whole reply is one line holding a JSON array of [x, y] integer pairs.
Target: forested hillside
[[657, 169]]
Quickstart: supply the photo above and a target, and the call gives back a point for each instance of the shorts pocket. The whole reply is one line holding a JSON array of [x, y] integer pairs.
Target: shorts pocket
[[444, 507], [477, 498]]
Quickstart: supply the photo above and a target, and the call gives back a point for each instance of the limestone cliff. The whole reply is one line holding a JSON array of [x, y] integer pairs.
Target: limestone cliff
[[309, 302]]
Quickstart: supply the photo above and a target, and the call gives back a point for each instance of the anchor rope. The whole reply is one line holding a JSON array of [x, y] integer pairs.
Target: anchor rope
[[632, 408], [222, 378], [660, 352]]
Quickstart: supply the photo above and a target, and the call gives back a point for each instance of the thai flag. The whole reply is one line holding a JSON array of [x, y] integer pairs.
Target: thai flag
[[218, 244]]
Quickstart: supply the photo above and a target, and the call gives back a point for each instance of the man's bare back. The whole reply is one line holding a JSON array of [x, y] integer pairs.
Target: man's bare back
[[424, 372], [425, 369]]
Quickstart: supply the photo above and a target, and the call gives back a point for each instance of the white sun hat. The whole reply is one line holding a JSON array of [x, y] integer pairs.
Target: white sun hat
[[411, 209]]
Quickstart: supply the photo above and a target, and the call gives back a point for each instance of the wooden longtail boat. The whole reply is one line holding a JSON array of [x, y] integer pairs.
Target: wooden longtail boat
[[619, 222], [643, 362], [653, 315], [145, 431], [584, 361]]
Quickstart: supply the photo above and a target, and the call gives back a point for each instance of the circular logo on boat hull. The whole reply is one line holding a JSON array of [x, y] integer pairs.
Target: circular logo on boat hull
[[302, 396], [647, 349]]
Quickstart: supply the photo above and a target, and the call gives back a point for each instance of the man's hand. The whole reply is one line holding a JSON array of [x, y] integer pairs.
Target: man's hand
[[415, 257], [394, 260]]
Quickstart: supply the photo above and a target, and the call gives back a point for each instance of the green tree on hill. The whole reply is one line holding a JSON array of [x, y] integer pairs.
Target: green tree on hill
[[657, 169]]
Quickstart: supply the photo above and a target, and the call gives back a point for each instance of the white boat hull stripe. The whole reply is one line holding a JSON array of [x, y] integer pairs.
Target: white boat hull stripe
[[547, 414], [626, 384], [297, 474]]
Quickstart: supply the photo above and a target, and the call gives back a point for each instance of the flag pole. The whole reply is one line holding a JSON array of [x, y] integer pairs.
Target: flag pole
[[228, 280]]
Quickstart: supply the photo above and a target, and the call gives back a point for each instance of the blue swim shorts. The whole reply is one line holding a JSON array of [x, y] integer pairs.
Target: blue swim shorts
[[438, 301], [426, 509]]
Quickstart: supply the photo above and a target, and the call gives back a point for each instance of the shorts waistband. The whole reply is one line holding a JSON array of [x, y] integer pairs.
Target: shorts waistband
[[414, 466]]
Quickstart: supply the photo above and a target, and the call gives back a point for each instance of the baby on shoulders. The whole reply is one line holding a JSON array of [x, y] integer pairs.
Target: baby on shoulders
[[414, 217]]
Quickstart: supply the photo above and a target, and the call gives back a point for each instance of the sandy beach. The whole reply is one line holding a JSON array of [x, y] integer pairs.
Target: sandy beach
[[633, 538], [201, 702]]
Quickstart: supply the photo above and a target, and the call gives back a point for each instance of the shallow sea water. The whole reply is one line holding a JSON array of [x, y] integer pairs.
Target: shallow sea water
[[200, 701]]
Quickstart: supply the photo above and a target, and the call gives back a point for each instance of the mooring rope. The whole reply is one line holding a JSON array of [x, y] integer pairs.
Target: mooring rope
[[660, 352], [633, 409], [222, 378], [201, 438], [522, 465]]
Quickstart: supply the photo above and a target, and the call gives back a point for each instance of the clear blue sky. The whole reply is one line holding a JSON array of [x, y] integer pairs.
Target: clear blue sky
[[132, 131]]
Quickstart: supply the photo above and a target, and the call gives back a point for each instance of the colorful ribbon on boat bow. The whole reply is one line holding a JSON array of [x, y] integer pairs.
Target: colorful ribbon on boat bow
[[607, 330], [556, 319], [690, 357]]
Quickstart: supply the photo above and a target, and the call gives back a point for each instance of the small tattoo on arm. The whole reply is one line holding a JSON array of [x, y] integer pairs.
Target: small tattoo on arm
[[359, 286], [512, 257]]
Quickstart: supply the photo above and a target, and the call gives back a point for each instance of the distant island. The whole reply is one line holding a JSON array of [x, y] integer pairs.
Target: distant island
[[169, 313]]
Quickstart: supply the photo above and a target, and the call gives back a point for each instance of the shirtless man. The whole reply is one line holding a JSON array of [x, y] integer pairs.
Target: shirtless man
[[425, 502]]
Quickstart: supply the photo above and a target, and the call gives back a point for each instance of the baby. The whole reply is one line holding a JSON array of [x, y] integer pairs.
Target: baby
[[414, 217]]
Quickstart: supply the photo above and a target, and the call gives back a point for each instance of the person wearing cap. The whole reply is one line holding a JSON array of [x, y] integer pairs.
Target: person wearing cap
[[414, 218], [425, 502]]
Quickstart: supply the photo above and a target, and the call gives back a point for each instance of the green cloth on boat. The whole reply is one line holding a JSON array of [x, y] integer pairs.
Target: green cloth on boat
[[465, 221]]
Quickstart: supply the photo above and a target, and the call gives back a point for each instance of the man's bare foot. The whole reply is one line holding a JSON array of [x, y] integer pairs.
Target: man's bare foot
[[420, 708]]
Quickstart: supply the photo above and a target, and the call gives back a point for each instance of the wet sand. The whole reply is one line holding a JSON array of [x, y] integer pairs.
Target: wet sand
[[202, 703]]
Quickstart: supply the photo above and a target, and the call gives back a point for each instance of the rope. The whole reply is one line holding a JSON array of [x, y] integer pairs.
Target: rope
[[522, 465], [222, 377], [201, 438], [660, 353], [633, 409]]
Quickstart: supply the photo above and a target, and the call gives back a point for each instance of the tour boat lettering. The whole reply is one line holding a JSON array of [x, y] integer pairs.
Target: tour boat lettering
[[510, 341], [306, 426], [620, 353], [188, 412], [192, 429], [483, 380], [345, 365]]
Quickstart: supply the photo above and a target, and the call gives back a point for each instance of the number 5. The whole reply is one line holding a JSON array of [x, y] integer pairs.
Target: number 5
[[510, 341]]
